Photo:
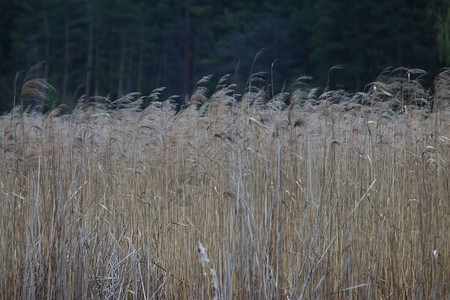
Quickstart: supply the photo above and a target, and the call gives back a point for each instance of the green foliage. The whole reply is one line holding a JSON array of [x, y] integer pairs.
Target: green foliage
[[443, 37], [51, 100], [369, 36]]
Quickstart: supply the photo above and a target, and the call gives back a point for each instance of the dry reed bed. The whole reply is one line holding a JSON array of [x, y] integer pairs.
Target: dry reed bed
[[306, 201]]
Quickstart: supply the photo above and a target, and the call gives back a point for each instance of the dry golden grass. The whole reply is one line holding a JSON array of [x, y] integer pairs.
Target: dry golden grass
[[234, 197]]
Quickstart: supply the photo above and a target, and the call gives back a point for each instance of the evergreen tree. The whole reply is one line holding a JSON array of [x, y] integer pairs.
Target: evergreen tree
[[113, 47]]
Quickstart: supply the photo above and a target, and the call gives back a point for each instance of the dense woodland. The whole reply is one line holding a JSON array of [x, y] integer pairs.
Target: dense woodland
[[110, 48]]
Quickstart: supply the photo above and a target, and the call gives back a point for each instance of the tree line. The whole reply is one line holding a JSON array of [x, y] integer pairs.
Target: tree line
[[113, 47]]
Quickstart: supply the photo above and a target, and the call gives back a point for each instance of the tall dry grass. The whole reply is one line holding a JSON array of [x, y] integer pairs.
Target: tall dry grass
[[234, 197]]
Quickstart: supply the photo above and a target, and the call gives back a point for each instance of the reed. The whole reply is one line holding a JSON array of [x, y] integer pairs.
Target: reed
[[332, 196]]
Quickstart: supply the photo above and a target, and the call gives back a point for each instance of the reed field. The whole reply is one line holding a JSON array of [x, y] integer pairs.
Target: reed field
[[301, 195]]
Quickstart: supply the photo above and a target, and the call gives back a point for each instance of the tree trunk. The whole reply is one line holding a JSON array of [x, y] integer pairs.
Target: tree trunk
[[111, 71], [47, 48], [140, 68], [97, 61], [187, 51], [121, 68], [129, 72], [65, 78], [90, 52], [165, 65]]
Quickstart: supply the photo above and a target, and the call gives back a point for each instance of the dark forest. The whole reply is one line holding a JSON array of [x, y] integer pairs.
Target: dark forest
[[111, 48]]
